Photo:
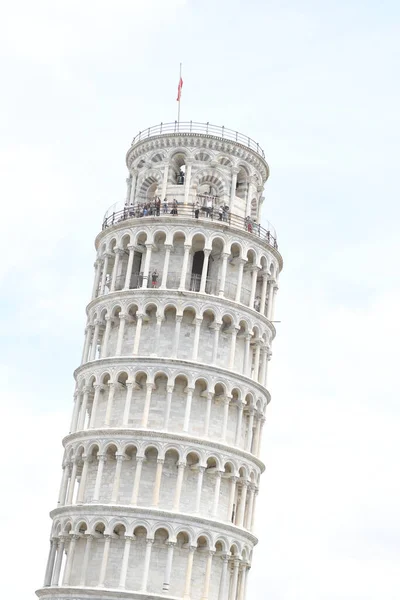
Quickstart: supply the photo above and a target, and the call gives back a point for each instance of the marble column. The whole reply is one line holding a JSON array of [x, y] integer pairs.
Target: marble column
[[134, 173], [117, 478], [136, 481], [188, 176], [121, 330], [217, 488], [146, 567], [232, 494], [263, 292], [146, 410], [210, 396], [82, 485], [100, 467], [254, 276], [157, 483], [168, 567], [224, 577], [128, 274], [234, 172], [217, 328], [167, 248], [204, 270], [225, 256], [207, 576], [139, 317], [98, 388], [125, 562], [146, 269], [128, 401], [70, 559], [110, 402], [242, 262], [86, 556], [165, 181], [199, 488], [186, 420], [50, 563], [188, 578], [170, 389], [57, 567], [96, 282], [235, 573], [196, 340], [178, 488], [178, 321], [234, 332], [104, 562], [182, 283]]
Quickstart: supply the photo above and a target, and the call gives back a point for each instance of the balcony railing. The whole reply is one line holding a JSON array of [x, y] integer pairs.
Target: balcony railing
[[205, 212], [201, 128]]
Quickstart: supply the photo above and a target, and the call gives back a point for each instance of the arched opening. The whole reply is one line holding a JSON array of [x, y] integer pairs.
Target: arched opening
[[178, 164], [197, 269]]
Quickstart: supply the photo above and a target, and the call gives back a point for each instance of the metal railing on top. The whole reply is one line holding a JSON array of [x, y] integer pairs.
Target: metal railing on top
[[194, 211], [194, 127]]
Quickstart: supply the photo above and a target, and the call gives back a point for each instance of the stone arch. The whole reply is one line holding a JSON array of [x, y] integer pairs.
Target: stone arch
[[147, 185], [210, 182]]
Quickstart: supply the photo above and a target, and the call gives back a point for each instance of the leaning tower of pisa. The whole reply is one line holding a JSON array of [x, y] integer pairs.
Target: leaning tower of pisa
[[162, 465]]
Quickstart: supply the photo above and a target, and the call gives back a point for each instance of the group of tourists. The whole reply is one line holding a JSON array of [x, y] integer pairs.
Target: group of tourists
[[156, 207]]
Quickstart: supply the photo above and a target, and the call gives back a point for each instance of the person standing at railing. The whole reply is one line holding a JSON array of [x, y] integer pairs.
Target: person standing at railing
[[154, 278], [165, 206], [225, 213], [220, 213], [158, 206], [174, 210], [196, 209]]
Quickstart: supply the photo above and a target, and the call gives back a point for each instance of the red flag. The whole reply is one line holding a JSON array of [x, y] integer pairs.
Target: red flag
[[180, 84]]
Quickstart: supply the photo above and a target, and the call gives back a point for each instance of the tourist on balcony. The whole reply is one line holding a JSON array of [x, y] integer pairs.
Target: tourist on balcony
[[165, 206], [174, 210], [220, 213], [197, 209], [158, 206], [225, 212], [154, 278]]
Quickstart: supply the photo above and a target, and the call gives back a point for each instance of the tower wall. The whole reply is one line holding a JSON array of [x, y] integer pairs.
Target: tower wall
[[162, 464]]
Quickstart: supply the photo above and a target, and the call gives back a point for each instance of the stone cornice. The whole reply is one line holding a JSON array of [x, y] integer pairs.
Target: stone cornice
[[219, 226], [161, 363], [208, 298], [152, 435], [181, 519]]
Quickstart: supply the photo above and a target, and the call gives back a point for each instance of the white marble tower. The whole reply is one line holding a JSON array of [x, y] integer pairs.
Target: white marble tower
[[162, 464]]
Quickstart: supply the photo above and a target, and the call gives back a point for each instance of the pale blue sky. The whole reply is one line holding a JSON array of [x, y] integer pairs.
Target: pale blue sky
[[316, 84]]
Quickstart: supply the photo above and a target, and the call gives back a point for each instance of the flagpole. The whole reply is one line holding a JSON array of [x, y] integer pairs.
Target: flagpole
[[179, 101]]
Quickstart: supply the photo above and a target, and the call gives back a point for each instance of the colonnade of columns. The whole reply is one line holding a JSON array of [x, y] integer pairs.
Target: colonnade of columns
[[255, 360], [242, 491], [249, 421], [264, 302], [232, 579]]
